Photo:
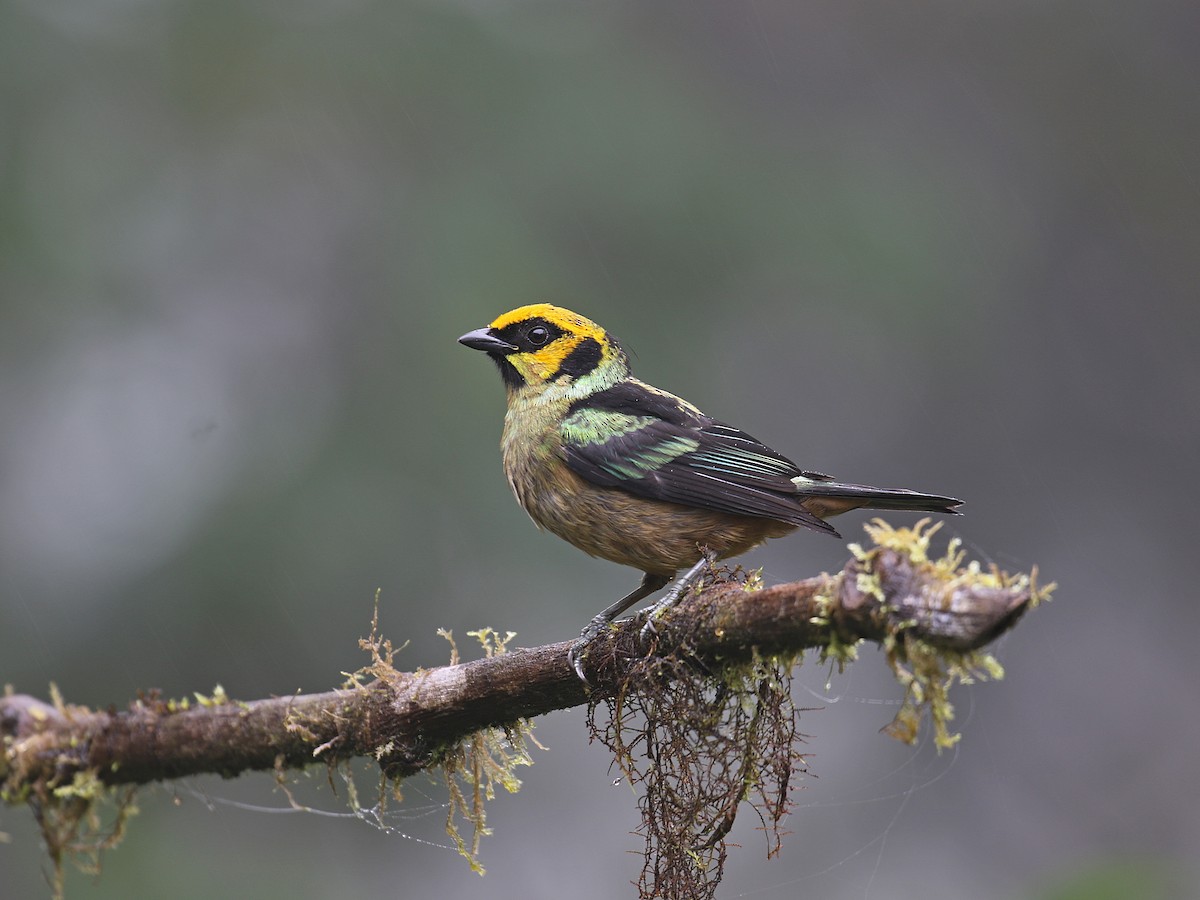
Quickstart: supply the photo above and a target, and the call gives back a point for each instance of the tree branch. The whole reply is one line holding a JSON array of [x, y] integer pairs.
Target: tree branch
[[407, 719]]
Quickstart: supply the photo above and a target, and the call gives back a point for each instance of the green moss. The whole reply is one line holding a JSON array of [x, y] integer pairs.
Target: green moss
[[79, 821], [702, 743], [475, 766], [927, 673], [218, 698], [473, 769]]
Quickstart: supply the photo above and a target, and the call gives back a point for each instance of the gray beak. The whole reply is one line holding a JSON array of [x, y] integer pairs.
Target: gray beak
[[483, 339]]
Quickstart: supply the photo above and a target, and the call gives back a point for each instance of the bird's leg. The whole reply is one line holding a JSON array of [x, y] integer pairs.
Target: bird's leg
[[677, 590], [650, 584]]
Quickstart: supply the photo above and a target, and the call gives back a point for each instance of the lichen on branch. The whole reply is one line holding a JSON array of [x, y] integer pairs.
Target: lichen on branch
[[725, 653], [704, 731]]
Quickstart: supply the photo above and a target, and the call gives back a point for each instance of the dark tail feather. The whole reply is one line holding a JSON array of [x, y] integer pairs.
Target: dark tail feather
[[830, 498]]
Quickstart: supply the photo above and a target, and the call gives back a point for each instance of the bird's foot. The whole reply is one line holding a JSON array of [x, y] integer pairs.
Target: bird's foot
[[651, 582], [675, 592], [578, 650]]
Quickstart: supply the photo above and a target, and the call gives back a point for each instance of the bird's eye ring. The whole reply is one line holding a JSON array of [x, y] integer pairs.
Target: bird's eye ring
[[539, 335]]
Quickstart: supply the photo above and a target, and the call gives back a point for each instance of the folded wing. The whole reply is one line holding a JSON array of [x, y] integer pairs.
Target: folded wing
[[656, 446]]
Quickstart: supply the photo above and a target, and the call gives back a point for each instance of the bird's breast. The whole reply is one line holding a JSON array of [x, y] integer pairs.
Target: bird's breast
[[529, 446]]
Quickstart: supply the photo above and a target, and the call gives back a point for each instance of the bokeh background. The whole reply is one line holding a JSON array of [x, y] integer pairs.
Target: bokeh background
[[947, 246]]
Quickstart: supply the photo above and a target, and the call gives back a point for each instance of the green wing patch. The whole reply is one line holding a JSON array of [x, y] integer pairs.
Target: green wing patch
[[622, 445], [653, 445]]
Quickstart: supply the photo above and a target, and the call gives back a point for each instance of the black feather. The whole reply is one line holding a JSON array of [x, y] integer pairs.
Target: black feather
[[654, 445], [634, 398], [582, 359], [677, 454], [885, 498]]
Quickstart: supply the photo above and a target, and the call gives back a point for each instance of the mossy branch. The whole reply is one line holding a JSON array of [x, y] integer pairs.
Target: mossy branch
[[931, 616]]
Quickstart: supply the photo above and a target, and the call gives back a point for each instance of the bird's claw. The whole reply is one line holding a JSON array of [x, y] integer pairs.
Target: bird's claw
[[575, 654], [677, 590], [577, 651], [650, 630]]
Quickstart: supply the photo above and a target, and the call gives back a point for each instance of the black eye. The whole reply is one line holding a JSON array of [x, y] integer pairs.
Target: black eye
[[539, 335]]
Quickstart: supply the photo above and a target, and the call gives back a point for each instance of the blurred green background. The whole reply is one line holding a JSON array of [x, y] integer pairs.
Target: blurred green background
[[952, 247]]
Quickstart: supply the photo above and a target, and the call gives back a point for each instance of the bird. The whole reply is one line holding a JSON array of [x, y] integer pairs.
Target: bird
[[631, 473]]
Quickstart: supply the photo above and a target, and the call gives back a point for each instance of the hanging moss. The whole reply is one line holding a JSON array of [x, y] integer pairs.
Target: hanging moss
[[926, 672]]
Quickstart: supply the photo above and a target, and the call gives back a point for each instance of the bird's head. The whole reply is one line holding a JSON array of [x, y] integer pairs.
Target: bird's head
[[542, 346]]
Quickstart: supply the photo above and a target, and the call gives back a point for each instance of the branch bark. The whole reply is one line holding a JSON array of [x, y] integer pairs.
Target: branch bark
[[403, 719]]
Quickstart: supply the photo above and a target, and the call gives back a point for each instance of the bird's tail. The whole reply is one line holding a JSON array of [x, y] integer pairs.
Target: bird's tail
[[829, 498]]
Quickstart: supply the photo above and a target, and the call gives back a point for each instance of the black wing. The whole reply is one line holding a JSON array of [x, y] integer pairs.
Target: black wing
[[654, 445]]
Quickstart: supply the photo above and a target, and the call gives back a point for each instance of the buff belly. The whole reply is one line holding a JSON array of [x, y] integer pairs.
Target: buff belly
[[650, 535]]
